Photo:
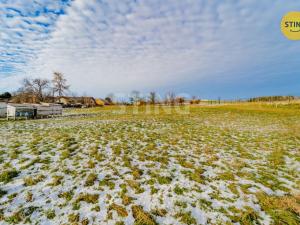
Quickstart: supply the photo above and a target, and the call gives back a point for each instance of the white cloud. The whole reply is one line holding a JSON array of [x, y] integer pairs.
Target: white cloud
[[115, 46]]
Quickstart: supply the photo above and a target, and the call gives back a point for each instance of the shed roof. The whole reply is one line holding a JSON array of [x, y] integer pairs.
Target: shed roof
[[20, 105]]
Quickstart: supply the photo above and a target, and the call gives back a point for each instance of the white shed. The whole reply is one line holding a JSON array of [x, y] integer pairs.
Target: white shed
[[20, 111], [3, 109], [48, 109]]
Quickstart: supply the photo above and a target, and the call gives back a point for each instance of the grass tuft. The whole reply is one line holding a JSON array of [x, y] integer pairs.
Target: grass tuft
[[8, 175], [141, 217], [119, 209]]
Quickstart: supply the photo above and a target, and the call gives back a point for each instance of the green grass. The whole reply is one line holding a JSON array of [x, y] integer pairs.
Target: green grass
[[90, 180], [8, 175], [186, 218], [283, 210], [50, 214]]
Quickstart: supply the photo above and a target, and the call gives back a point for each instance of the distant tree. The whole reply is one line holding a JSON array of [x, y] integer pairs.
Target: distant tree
[[170, 98], [152, 98], [195, 100], [271, 98], [134, 97], [59, 83], [6, 95], [180, 100], [110, 99], [36, 87]]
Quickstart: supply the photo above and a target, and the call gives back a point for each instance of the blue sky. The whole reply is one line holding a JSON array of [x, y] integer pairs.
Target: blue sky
[[231, 48]]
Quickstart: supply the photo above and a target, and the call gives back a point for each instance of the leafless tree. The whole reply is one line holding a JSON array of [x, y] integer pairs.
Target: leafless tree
[[36, 87], [195, 100], [180, 100], [152, 98], [59, 83], [135, 97], [170, 98]]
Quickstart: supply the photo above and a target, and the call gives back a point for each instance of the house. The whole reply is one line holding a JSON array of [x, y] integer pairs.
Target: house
[[20, 111], [89, 101], [64, 100], [76, 101]]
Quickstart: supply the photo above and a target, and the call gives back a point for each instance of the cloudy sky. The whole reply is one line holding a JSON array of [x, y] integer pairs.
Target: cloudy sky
[[209, 48]]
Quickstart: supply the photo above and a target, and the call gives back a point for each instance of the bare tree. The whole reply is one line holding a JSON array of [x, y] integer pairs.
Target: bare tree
[[39, 86], [195, 100], [35, 87], [170, 98], [152, 98], [59, 83], [135, 97], [180, 100]]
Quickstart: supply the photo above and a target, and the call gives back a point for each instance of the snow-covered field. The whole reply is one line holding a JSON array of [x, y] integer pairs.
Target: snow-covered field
[[215, 165]]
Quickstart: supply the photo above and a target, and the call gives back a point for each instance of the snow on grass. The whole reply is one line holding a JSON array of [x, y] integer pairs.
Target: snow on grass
[[215, 165]]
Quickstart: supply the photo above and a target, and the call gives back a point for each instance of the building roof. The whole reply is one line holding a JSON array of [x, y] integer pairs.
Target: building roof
[[75, 100], [20, 105]]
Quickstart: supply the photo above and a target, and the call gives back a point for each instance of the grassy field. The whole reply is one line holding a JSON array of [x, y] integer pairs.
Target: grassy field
[[228, 164]]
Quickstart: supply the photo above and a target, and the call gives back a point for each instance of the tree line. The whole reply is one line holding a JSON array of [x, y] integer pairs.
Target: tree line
[[152, 98], [272, 98], [35, 90]]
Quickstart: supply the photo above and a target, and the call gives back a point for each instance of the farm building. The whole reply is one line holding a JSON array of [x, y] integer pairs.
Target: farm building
[[20, 111], [33, 110], [3, 109], [47, 109], [77, 102]]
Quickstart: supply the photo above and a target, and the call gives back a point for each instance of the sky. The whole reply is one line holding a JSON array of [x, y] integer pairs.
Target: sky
[[206, 48]]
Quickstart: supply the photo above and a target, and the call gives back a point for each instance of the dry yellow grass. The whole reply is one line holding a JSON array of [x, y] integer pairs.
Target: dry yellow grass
[[141, 217], [119, 209]]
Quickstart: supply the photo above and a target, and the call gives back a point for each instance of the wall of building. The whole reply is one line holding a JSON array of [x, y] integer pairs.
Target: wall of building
[[3, 109]]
